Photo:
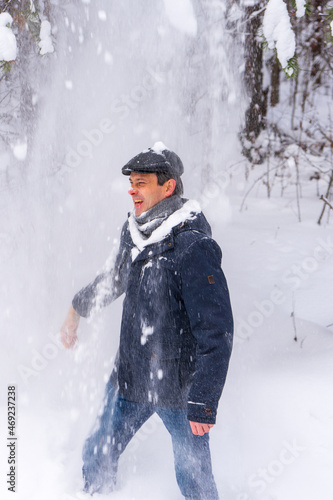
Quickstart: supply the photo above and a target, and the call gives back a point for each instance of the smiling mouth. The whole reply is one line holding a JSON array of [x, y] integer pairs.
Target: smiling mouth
[[138, 203]]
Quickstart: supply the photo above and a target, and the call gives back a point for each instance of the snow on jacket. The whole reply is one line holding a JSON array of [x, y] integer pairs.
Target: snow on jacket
[[177, 325]]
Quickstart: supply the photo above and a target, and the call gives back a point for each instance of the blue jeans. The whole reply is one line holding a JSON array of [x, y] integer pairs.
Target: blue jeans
[[116, 426]]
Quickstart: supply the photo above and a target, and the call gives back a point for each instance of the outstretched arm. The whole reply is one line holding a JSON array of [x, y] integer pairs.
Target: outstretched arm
[[105, 288], [108, 285]]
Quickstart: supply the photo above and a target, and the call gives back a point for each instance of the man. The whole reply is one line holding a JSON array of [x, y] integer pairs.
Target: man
[[176, 330]]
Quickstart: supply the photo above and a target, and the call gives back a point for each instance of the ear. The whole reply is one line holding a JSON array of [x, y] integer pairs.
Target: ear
[[170, 187]]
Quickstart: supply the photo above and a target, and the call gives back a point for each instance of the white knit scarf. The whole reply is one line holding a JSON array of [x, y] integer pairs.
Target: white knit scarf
[[188, 211]]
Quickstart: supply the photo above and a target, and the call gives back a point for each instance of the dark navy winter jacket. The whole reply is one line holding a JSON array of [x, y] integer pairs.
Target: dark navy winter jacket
[[177, 326]]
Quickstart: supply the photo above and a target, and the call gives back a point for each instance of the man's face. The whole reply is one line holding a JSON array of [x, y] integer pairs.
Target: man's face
[[146, 192]]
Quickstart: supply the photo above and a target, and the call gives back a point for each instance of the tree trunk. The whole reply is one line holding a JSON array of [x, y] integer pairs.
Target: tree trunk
[[275, 82], [255, 115]]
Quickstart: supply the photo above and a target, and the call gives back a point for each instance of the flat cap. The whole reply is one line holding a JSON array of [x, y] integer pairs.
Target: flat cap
[[153, 160]]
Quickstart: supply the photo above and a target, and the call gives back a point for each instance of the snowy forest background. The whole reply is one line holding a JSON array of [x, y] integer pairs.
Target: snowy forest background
[[242, 91]]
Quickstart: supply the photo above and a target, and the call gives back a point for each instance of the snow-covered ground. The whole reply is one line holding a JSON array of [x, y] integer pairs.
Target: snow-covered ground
[[274, 435]]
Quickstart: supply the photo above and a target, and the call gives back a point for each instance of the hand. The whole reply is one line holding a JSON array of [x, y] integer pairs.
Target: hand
[[200, 429], [69, 328]]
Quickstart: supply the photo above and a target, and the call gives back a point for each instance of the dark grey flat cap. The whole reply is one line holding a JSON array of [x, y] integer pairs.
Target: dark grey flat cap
[[154, 160]]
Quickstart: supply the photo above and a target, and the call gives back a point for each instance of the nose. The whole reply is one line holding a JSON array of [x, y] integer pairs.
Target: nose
[[132, 191]]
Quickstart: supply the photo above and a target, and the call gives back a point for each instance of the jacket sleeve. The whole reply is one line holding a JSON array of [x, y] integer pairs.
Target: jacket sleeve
[[106, 287], [206, 298]]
